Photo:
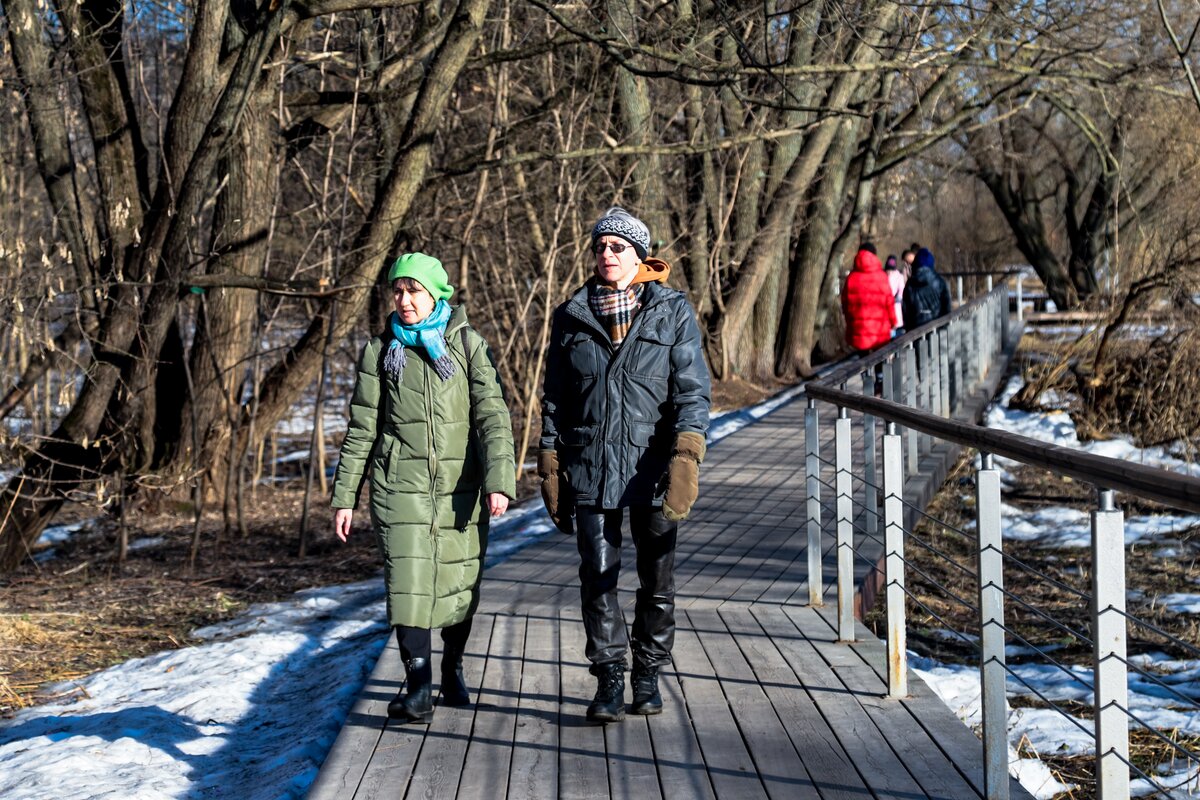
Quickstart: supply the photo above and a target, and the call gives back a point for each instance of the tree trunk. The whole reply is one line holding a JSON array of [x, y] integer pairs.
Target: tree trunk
[[812, 258], [221, 350], [637, 123]]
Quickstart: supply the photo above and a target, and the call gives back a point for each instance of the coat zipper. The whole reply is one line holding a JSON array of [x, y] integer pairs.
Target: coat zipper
[[433, 470], [614, 355]]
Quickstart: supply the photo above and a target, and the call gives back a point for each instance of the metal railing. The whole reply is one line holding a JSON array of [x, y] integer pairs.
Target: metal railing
[[922, 380]]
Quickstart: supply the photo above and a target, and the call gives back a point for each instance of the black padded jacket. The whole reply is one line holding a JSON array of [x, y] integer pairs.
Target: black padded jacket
[[612, 414], [926, 297]]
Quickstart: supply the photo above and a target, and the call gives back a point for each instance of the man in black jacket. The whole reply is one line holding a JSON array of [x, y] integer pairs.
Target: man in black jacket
[[624, 416], [926, 295]]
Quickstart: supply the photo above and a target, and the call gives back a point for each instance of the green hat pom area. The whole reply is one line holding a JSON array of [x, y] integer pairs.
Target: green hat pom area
[[425, 270]]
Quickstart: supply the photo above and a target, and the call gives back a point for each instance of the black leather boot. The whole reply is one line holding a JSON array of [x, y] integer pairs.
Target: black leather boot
[[646, 697], [417, 704], [609, 702], [454, 686]]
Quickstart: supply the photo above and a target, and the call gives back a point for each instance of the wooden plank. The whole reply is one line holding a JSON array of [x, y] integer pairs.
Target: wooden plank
[[490, 751], [929, 765], [534, 769], [831, 770], [735, 565], [862, 741], [957, 741], [677, 751], [631, 768], [343, 769], [779, 765], [439, 767], [582, 761], [730, 767]]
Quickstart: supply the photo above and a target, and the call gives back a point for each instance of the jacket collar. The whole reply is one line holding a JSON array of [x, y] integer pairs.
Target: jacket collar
[[577, 306]]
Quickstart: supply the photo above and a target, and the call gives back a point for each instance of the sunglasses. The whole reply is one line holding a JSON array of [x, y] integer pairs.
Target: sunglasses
[[616, 247]]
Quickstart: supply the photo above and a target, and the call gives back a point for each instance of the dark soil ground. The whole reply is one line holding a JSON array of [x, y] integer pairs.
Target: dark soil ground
[[82, 610]]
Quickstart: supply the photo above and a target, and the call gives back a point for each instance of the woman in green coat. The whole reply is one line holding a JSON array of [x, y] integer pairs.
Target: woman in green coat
[[430, 433]]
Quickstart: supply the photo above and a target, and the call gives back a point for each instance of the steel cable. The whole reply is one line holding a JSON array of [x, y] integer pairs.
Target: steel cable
[[1046, 700], [1173, 639], [947, 625], [1038, 612]]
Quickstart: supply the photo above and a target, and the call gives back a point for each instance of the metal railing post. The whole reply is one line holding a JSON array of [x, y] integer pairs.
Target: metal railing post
[[812, 471], [1020, 297], [943, 342], [924, 403], [960, 396], [981, 354], [972, 337], [1108, 626], [910, 400], [1005, 320], [989, 281], [870, 481], [845, 526], [991, 627], [935, 373], [959, 282], [893, 539]]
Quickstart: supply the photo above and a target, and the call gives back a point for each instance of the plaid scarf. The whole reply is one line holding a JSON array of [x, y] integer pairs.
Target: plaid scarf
[[615, 308]]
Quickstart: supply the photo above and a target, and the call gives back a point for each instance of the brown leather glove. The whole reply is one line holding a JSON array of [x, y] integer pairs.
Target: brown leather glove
[[560, 515], [683, 475]]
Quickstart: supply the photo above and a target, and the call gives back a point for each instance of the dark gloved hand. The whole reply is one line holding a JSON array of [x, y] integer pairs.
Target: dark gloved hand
[[560, 514], [683, 475]]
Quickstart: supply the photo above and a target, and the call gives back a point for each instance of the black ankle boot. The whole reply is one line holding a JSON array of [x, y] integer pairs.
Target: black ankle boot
[[646, 697], [417, 705], [609, 703], [454, 686]]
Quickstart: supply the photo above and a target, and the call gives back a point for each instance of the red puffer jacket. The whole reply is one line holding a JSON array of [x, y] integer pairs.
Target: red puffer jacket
[[868, 304]]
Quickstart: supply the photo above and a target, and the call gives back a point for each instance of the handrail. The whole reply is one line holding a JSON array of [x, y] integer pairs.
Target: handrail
[[935, 371], [954, 273], [844, 373], [1162, 486]]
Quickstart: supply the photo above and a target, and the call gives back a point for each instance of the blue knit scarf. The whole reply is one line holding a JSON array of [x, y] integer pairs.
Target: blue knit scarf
[[429, 333]]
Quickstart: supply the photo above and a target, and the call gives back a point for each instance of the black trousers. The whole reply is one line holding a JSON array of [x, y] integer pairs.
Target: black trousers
[[418, 642], [598, 534]]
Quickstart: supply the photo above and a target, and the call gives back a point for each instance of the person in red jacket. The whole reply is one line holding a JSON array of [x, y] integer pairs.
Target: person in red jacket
[[868, 303]]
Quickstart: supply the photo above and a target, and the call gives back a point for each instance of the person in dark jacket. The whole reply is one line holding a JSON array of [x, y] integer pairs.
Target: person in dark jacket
[[624, 417], [868, 303], [926, 295], [430, 433]]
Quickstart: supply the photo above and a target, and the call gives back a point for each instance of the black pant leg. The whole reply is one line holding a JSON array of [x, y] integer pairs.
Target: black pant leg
[[414, 642], [654, 536], [598, 536], [454, 641]]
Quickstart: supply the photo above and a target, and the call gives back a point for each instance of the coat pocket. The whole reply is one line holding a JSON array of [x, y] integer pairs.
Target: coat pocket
[[577, 437], [641, 433]]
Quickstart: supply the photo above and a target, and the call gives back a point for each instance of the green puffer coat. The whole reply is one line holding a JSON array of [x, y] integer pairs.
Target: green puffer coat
[[431, 455]]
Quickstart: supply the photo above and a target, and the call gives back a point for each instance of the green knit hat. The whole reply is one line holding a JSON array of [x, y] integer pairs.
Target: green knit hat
[[425, 270]]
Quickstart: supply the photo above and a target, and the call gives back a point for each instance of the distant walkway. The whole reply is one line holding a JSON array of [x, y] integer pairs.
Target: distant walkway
[[763, 702]]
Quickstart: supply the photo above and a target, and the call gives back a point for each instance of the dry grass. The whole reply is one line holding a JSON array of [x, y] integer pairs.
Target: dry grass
[[1145, 388], [1146, 751], [81, 611]]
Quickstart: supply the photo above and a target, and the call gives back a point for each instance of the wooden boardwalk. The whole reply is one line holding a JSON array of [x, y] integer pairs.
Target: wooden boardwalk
[[762, 702]]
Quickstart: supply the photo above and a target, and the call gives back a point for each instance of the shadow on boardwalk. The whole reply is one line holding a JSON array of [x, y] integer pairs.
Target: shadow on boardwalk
[[763, 701]]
